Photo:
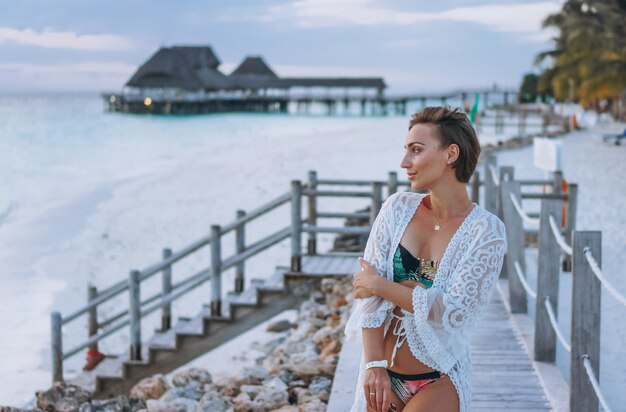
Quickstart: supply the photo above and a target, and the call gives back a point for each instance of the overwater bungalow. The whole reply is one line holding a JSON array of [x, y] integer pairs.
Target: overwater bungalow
[[187, 79]]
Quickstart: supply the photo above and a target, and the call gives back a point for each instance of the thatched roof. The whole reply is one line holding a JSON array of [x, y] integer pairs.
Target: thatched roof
[[190, 68], [254, 73], [254, 66]]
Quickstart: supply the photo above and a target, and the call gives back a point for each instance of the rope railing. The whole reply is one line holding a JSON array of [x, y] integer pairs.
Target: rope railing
[[598, 272], [559, 237], [522, 214], [555, 326], [594, 382], [522, 279]]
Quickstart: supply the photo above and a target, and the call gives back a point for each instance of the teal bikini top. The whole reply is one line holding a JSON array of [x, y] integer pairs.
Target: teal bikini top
[[408, 267]]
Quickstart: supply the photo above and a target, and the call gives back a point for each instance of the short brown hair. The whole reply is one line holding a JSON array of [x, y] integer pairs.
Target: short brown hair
[[454, 127]]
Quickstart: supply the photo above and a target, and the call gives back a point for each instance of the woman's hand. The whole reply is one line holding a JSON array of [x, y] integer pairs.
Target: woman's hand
[[364, 282], [377, 387]]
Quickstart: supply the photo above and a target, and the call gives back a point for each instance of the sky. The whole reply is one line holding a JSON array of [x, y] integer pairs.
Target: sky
[[415, 45]]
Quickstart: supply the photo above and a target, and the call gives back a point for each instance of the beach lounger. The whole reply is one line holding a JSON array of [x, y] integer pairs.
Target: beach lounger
[[616, 137]]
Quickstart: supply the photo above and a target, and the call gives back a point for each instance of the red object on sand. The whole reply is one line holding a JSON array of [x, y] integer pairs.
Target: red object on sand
[[93, 359]]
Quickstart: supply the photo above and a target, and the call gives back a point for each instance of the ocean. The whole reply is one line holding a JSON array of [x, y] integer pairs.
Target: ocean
[[86, 196]]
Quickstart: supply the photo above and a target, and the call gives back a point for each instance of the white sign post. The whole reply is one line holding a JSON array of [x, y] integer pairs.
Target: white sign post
[[547, 154]]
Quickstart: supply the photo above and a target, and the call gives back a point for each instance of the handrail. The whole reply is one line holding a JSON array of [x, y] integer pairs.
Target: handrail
[[594, 382], [279, 201], [598, 272], [559, 237], [335, 193], [520, 275], [257, 247], [555, 325], [521, 212]]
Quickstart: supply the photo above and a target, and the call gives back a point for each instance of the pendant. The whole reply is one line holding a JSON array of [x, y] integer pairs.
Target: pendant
[[437, 226]]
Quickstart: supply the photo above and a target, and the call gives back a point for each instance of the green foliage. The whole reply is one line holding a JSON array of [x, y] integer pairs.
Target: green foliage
[[588, 62], [528, 90]]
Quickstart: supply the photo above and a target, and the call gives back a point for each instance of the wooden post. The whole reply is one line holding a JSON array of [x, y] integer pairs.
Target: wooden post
[[135, 314], [515, 239], [312, 218], [585, 328], [296, 226], [476, 187], [216, 270], [377, 200], [166, 289], [92, 293], [506, 173], [392, 185], [570, 222], [240, 246], [548, 273], [57, 346], [490, 185]]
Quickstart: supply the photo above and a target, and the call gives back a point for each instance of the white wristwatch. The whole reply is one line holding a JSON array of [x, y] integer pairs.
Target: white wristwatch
[[377, 364]]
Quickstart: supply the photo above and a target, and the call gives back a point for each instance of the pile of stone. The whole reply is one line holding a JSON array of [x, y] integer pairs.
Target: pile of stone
[[294, 374]]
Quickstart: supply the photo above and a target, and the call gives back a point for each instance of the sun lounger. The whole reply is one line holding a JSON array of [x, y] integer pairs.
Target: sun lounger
[[616, 137]]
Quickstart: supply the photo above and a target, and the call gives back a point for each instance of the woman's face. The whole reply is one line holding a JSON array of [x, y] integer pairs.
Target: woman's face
[[425, 160]]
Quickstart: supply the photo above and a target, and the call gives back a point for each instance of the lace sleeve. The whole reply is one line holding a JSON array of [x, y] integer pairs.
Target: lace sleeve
[[371, 312], [464, 301]]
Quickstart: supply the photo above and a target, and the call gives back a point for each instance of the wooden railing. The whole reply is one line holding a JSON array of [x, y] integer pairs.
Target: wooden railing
[[137, 309], [559, 247]]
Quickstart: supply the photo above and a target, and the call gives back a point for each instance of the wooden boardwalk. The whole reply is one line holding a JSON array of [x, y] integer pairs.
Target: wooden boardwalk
[[503, 375]]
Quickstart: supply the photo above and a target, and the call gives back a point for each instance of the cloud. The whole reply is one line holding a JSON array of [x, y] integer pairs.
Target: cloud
[[523, 18], [88, 67], [64, 40]]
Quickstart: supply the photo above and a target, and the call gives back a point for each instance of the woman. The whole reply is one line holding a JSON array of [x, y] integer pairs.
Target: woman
[[429, 268]]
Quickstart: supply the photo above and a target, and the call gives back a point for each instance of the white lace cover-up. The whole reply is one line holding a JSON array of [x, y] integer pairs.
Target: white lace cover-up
[[439, 328]]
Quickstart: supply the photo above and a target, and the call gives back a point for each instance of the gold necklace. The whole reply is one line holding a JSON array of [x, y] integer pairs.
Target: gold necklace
[[438, 224]]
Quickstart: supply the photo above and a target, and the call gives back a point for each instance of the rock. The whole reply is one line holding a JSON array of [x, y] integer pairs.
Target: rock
[[286, 408], [62, 397], [214, 402], [254, 375], [12, 409], [187, 392], [183, 405], [306, 364], [323, 336], [242, 403], [159, 406], [320, 387], [149, 388], [202, 376], [331, 348], [251, 390], [228, 386], [302, 395], [314, 406], [121, 403], [279, 326], [274, 394]]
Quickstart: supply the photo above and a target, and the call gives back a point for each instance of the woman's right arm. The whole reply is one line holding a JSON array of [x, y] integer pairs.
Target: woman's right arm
[[376, 380]]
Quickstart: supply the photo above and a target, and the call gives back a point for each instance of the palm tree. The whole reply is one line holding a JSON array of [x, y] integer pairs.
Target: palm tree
[[589, 57]]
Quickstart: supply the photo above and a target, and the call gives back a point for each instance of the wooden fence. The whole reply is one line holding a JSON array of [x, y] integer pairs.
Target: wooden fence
[[560, 246]]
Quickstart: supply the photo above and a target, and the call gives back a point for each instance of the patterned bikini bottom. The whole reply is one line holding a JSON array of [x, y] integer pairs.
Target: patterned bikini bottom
[[406, 386]]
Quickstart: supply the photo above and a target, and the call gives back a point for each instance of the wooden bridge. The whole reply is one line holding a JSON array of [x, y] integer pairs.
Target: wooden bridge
[[366, 104], [513, 355]]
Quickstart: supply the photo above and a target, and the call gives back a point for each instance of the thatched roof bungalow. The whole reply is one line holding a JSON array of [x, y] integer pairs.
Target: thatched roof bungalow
[[183, 68]]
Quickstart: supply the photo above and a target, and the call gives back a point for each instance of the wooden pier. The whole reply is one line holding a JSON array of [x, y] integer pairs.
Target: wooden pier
[[513, 356], [373, 104]]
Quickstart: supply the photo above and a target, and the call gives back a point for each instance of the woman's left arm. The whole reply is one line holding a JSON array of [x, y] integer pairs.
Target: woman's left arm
[[464, 299]]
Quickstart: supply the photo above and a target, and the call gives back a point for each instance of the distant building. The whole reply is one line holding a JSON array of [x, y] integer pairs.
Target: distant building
[[186, 79]]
